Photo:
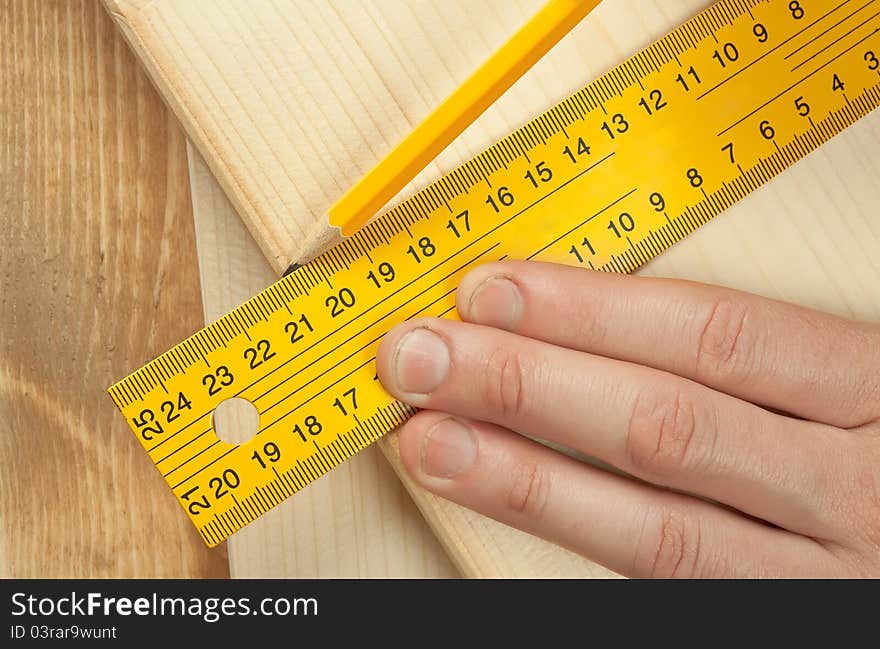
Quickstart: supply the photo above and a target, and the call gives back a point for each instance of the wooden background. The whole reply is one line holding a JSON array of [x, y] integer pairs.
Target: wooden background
[[97, 272]]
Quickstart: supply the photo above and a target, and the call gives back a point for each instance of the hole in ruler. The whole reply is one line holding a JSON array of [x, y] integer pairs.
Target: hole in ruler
[[236, 420]]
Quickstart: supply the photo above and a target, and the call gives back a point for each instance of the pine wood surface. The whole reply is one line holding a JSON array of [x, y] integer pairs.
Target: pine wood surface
[[97, 273]]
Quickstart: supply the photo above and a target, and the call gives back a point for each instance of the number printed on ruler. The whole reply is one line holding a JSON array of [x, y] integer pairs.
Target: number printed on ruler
[[605, 180]]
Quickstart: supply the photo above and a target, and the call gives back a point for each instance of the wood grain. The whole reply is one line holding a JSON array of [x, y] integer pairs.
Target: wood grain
[[291, 101], [97, 275], [355, 522]]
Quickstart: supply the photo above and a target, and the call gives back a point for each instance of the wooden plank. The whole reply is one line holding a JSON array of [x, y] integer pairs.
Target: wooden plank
[[97, 274], [291, 101], [355, 522]]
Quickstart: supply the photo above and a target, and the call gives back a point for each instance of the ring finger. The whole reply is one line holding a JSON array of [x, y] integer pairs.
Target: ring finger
[[633, 528]]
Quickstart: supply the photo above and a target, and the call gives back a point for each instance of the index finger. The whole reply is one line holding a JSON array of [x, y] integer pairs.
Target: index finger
[[804, 362]]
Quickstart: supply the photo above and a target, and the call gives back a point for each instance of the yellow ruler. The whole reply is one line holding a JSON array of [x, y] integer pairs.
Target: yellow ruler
[[605, 180]]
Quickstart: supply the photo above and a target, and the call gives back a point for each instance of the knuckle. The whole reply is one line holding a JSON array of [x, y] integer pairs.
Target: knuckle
[[661, 432], [868, 486], [669, 547], [504, 383], [724, 341], [529, 490], [865, 397]]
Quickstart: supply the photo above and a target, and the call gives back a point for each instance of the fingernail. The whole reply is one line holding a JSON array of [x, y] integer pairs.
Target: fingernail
[[422, 362], [496, 302], [448, 449]]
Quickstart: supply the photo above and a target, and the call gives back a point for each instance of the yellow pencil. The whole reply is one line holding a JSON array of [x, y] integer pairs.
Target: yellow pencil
[[461, 108]]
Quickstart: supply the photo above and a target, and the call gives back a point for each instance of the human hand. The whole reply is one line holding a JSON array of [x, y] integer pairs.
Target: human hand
[[751, 428]]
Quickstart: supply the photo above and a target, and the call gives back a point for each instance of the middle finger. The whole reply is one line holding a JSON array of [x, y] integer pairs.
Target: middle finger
[[654, 425]]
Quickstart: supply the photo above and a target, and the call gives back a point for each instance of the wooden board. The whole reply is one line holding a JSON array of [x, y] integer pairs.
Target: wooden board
[[310, 95], [97, 273]]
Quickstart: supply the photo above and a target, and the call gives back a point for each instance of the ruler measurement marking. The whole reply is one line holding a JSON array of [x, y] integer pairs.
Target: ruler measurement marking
[[837, 40], [369, 326], [352, 354], [294, 482], [224, 520], [314, 468], [180, 430], [280, 480], [231, 518], [583, 223], [796, 84], [180, 448], [343, 326], [346, 444], [306, 470], [426, 307], [360, 439], [155, 374], [330, 453], [258, 497], [222, 523], [244, 509], [250, 509], [757, 171], [266, 496], [278, 489], [192, 457], [445, 312], [333, 449], [284, 480], [276, 493], [214, 461], [833, 27], [300, 474], [322, 461], [239, 514], [235, 513], [310, 399], [769, 52]]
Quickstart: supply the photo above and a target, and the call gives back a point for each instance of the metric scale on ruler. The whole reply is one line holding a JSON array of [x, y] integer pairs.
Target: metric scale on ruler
[[606, 179]]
